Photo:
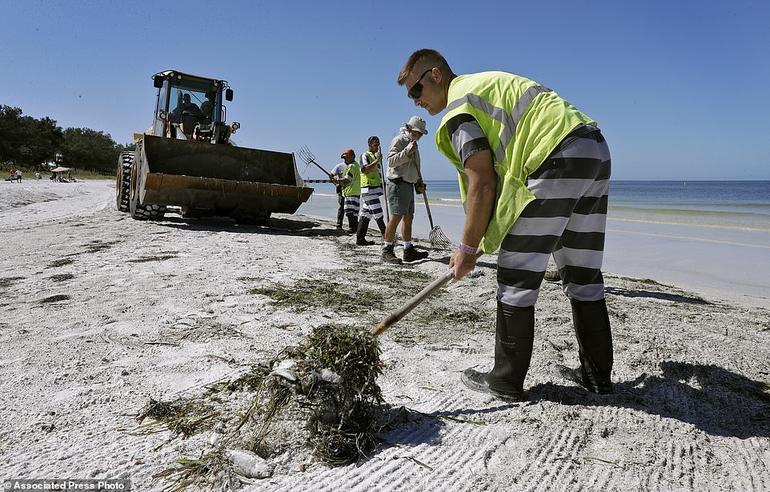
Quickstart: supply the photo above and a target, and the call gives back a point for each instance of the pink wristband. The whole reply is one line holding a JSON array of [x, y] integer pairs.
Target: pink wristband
[[468, 250]]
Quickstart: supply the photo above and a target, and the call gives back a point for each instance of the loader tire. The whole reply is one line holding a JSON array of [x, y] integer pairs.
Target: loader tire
[[123, 181], [139, 211], [148, 212]]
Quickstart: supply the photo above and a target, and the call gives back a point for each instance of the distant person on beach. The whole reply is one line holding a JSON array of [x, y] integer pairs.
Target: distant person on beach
[[534, 180], [371, 191], [351, 188], [336, 178], [404, 178], [18, 175]]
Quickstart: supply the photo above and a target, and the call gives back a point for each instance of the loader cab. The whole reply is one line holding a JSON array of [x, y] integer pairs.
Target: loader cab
[[189, 107]]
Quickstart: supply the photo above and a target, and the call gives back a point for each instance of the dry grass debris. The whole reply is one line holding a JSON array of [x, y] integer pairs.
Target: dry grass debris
[[183, 417], [320, 399], [320, 293]]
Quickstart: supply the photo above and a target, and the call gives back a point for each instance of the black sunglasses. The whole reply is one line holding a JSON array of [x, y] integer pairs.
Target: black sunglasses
[[416, 90]]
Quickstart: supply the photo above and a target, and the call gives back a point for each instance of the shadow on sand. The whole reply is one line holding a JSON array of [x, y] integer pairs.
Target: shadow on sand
[[447, 255], [711, 398], [656, 295], [425, 428], [274, 226], [410, 428]]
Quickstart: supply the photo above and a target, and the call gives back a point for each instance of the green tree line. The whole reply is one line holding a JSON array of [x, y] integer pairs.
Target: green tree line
[[29, 142]]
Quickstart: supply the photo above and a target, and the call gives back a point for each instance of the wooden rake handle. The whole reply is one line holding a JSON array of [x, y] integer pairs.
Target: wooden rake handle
[[396, 315], [385, 193], [427, 207]]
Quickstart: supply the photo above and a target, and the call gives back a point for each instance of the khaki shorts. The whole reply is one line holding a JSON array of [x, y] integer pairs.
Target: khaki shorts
[[400, 197]]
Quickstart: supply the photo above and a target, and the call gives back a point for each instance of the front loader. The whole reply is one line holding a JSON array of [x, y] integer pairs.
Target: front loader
[[186, 159]]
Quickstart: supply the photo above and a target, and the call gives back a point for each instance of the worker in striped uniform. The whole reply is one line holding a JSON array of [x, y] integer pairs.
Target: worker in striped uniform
[[534, 177], [351, 188], [371, 191]]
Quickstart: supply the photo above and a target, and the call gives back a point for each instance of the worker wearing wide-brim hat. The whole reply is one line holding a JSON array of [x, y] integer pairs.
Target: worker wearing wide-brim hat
[[404, 177]]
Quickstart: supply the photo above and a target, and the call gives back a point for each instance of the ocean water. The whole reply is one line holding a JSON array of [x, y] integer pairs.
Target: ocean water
[[741, 205], [728, 204]]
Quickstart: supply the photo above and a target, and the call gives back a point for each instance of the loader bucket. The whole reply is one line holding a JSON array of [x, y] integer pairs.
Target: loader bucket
[[233, 181]]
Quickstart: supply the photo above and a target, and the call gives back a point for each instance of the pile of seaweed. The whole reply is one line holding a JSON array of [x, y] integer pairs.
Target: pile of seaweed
[[320, 398]]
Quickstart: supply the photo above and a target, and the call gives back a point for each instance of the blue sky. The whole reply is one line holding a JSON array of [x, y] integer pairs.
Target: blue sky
[[680, 88]]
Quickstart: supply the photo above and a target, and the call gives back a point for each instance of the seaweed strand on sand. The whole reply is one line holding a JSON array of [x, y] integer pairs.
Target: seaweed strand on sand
[[320, 398]]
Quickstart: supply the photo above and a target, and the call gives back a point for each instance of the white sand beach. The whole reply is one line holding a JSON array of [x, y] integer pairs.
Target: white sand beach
[[100, 313]]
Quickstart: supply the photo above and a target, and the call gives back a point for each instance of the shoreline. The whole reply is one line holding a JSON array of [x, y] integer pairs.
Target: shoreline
[[714, 262]]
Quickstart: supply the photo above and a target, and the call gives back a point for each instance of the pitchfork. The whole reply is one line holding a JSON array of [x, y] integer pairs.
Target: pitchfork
[[437, 237], [309, 158]]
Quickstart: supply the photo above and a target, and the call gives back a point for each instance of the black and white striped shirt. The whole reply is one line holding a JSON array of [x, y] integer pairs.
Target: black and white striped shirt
[[467, 136]]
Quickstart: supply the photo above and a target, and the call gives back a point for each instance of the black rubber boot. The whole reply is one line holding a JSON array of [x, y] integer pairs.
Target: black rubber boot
[[381, 225], [340, 207], [389, 256], [363, 226], [411, 254], [353, 223], [594, 336], [513, 351]]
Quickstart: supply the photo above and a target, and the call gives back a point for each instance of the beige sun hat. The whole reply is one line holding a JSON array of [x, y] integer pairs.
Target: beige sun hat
[[418, 124]]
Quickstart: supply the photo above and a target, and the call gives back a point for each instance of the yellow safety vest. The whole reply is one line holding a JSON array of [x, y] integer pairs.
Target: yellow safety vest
[[353, 172], [523, 122], [372, 179]]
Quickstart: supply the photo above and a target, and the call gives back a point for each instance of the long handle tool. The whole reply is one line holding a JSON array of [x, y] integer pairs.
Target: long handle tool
[[309, 158], [395, 316], [384, 190]]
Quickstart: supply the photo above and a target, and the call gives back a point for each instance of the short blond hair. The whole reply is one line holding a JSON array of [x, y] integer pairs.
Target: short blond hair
[[424, 57]]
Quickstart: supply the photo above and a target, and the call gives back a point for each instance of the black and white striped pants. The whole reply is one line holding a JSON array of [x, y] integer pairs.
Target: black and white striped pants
[[567, 219], [352, 205], [371, 206]]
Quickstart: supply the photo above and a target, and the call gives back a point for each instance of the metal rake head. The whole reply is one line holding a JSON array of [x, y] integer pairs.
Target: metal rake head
[[306, 155], [439, 240]]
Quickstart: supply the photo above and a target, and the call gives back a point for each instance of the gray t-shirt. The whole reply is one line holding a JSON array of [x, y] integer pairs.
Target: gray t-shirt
[[339, 170]]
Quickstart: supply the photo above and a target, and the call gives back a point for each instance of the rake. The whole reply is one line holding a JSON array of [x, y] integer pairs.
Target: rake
[[396, 315], [309, 158], [437, 237], [384, 190]]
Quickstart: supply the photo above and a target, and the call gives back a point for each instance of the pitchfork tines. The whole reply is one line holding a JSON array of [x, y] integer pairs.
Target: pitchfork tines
[[306, 155], [309, 158]]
